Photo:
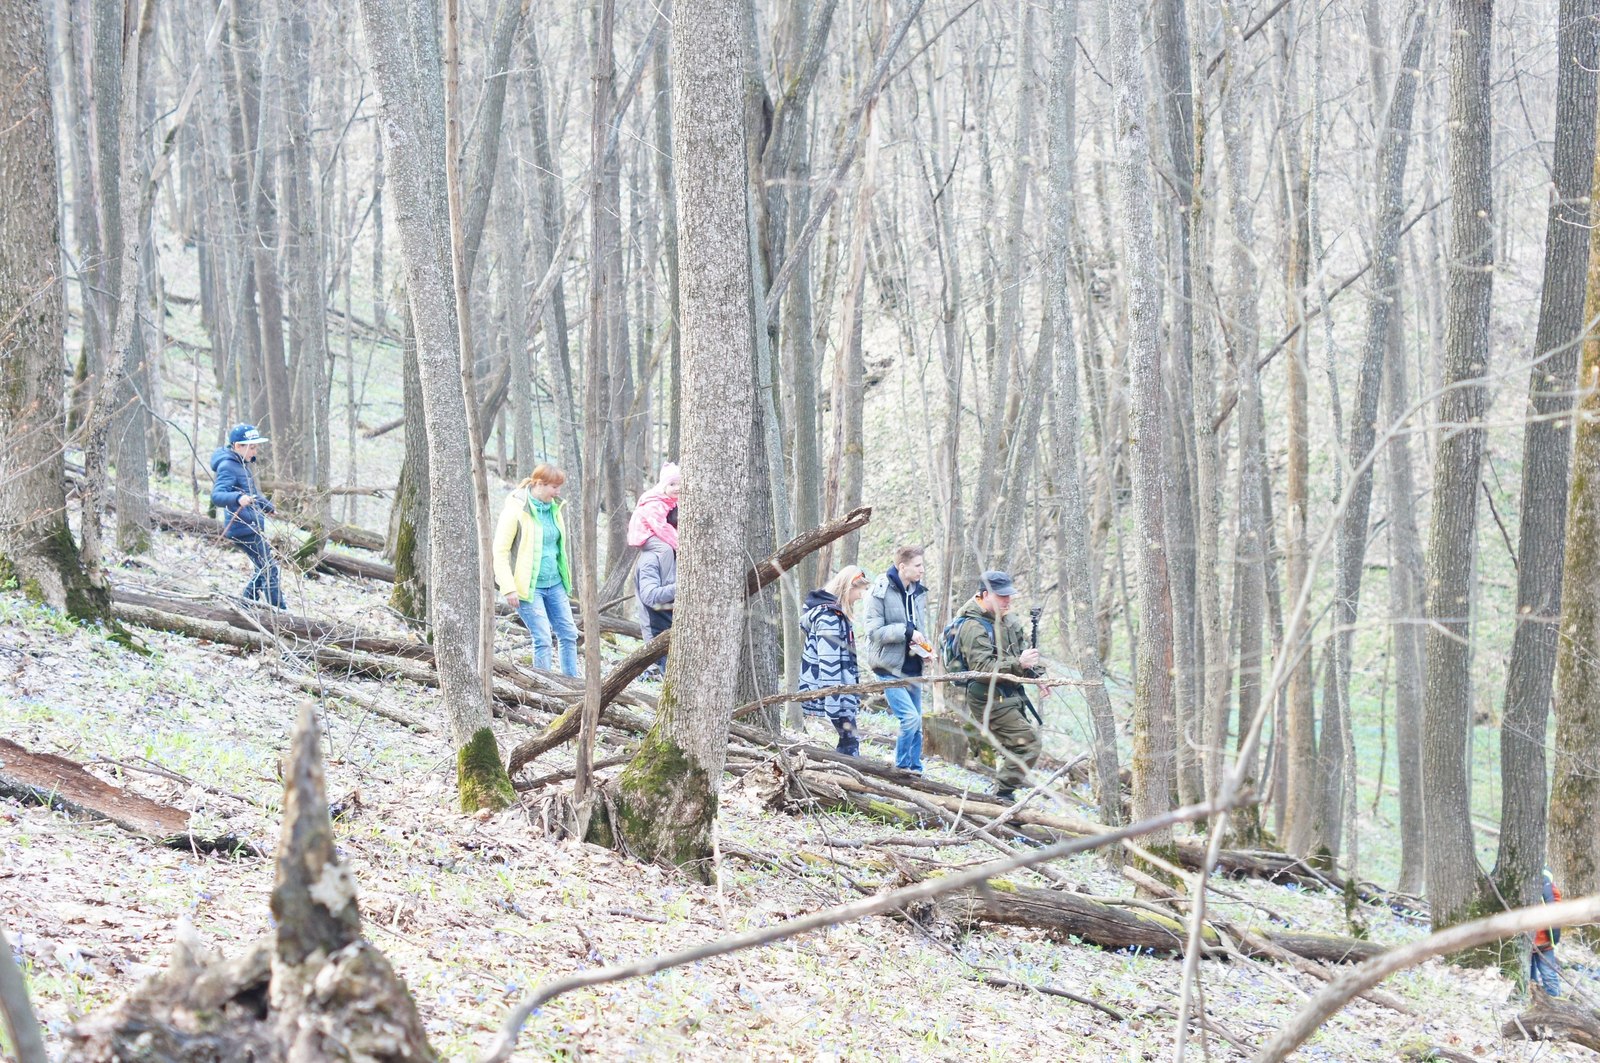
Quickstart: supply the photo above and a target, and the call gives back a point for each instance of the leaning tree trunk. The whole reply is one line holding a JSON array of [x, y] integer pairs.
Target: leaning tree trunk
[[36, 546], [1453, 875], [1152, 690], [1077, 598], [403, 40], [667, 796], [1546, 443], [1574, 826]]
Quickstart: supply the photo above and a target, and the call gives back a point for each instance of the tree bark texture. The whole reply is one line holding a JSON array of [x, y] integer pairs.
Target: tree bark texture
[[1574, 824], [667, 796], [1152, 698], [1453, 875], [36, 546], [1072, 532], [1546, 447]]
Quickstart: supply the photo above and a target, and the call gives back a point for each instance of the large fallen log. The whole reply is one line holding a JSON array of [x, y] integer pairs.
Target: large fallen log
[[1283, 868], [1548, 1019], [56, 782], [565, 727]]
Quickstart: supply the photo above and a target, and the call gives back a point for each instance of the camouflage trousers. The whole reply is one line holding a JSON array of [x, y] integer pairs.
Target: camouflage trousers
[[1015, 733]]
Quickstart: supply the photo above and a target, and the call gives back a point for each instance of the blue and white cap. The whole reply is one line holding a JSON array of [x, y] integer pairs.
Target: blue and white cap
[[245, 433]]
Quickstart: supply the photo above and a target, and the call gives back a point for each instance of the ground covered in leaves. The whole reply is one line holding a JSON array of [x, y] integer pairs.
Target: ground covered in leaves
[[475, 912]]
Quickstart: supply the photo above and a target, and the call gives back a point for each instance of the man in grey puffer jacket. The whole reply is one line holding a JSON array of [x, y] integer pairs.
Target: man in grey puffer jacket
[[894, 625]]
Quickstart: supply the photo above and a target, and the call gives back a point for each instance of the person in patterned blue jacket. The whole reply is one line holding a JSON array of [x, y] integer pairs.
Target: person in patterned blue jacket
[[243, 509], [829, 656]]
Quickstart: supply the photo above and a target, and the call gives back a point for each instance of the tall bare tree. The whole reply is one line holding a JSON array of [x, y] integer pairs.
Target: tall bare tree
[[1152, 696], [1574, 825], [403, 37], [36, 546], [1546, 446], [1454, 878], [1072, 533], [667, 796]]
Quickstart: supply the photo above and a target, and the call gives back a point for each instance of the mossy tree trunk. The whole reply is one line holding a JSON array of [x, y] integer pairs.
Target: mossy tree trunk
[[667, 798], [36, 547], [1574, 824], [404, 42]]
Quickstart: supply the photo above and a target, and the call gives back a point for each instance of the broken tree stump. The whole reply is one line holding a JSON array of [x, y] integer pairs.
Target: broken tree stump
[[316, 990]]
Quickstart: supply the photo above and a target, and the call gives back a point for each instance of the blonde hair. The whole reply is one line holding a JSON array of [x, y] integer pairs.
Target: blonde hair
[[842, 580], [545, 473]]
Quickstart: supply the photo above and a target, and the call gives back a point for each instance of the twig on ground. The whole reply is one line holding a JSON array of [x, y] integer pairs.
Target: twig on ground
[[926, 890]]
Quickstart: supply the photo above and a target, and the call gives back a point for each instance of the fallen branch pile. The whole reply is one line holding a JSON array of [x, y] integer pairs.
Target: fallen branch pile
[[340, 650]]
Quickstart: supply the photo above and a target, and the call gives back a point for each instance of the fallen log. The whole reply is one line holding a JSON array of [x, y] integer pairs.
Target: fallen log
[[1096, 921], [513, 688], [1272, 866], [565, 727], [56, 782], [1548, 1019]]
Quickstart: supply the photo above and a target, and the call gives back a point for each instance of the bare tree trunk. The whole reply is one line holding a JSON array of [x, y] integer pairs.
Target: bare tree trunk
[[403, 40], [36, 546], [1077, 597], [1242, 340], [1188, 650], [1405, 608], [1574, 826], [137, 59], [1546, 445], [1305, 819], [596, 423], [1152, 696], [991, 458], [556, 339], [1453, 876], [667, 190], [667, 796]]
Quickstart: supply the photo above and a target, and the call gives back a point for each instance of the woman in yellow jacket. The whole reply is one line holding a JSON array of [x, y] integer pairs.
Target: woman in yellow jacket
[[537, 580]]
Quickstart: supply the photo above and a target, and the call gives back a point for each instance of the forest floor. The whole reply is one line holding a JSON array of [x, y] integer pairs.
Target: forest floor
[[476, 912]]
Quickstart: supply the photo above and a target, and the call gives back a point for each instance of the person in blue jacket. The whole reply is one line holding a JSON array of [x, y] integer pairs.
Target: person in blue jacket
[[243, 510]]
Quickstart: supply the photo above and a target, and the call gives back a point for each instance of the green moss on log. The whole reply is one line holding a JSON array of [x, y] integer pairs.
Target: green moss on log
[[481, 777], [882, 811]]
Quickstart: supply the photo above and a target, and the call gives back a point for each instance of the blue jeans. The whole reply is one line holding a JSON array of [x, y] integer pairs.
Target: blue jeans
[[906, 704], [550, 610], [1545, 973], [263, 586]]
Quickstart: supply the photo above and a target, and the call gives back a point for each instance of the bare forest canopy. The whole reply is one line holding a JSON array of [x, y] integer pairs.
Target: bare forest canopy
[[1255, 339]]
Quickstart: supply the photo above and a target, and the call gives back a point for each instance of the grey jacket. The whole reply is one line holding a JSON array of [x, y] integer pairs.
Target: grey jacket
[[892, 614], [657, 575]]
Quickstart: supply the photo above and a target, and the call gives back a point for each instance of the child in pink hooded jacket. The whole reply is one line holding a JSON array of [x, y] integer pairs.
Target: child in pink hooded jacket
[[650, 514]]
